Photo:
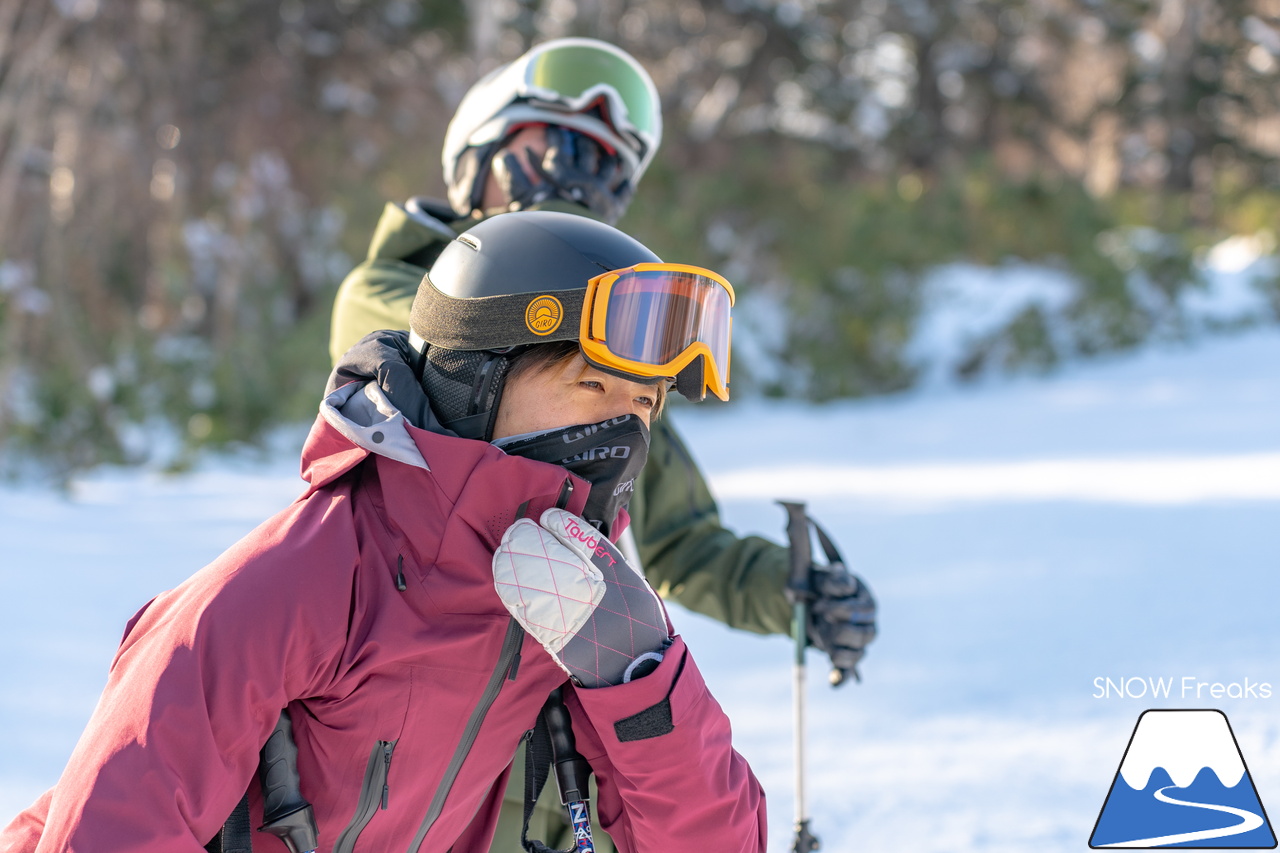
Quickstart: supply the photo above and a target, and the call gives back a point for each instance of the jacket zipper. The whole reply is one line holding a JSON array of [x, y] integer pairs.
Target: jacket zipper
[[374, 792], [502, 672]]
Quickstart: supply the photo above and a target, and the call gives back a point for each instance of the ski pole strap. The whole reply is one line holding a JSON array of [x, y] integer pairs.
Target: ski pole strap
[[829, 549], [799, 527]]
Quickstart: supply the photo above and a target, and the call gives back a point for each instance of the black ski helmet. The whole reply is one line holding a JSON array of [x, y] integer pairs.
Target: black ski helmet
[[512, 280]]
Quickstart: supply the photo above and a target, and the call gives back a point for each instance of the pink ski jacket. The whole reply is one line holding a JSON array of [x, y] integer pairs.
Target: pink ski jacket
[[368, 609]]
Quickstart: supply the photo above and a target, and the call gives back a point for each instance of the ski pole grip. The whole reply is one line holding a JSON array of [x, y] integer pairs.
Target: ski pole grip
[[799, 588], [572, 770], [286, 814]]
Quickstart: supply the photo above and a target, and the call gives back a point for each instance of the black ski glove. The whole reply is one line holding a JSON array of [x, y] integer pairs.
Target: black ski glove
[[574, 168], [842, 618], [385, 357]]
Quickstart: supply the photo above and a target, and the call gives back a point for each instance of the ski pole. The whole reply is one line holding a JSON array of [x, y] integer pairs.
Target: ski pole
[[573, 773], [799, 593]]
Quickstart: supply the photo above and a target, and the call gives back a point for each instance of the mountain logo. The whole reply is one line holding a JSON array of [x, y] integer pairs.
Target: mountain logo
[[1182, 783]]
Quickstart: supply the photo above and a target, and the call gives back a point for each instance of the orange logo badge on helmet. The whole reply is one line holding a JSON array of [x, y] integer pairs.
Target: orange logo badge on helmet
[[543, 315]]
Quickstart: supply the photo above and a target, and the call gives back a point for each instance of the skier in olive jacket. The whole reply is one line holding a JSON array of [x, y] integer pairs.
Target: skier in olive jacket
[[415, 606]]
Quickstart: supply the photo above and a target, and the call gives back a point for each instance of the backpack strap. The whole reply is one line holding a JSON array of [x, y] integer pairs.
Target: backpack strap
[[537, 767], [236, 835]]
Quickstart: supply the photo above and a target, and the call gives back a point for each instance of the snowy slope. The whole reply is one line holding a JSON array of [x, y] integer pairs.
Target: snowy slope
[[1024, 538]]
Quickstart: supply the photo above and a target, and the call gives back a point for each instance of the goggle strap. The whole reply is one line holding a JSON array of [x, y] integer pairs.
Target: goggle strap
[[691, 381], [490, 322]]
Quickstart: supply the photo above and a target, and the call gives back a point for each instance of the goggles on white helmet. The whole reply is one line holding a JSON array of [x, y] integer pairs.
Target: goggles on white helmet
[[563, 82]]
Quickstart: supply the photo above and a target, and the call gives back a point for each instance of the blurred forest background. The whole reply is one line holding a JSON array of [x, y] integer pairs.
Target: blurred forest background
[[183, 185]]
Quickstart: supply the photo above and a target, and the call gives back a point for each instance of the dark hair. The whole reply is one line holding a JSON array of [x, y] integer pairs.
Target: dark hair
[[539, 357]]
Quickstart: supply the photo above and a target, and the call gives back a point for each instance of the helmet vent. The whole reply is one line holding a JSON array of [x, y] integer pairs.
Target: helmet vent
[[468, 240]]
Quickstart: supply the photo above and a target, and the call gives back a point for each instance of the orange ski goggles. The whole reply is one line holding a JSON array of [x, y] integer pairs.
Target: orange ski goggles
[[661, 320]]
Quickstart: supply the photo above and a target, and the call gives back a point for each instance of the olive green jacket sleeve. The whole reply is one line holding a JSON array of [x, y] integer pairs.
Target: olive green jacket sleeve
[[687, 555], [690, 558]]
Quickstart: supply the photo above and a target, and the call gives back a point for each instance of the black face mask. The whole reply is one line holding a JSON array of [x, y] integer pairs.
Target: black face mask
[[608, 455]]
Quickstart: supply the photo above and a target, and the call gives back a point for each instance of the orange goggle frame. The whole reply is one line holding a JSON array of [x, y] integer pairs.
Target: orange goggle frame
[[656, 319]]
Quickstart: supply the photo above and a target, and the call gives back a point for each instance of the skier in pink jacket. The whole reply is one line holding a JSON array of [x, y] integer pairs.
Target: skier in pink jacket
[[446, 569]]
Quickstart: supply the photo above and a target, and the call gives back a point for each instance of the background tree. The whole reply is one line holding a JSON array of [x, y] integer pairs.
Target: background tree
[[183, 185]]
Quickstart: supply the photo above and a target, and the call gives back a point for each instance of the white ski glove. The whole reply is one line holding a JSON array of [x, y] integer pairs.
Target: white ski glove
[[575, 593]]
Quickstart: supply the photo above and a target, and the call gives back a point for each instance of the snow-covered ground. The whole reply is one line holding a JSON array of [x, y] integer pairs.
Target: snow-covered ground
[[1118, 520]]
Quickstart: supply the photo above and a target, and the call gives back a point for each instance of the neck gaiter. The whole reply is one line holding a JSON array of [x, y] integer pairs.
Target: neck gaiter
[[608, 455]]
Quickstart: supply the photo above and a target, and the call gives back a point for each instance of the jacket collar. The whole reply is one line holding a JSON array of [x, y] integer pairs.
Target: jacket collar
[[474, 478]]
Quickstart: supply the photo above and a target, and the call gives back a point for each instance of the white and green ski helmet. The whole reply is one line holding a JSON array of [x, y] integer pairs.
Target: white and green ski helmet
[[557, 82]]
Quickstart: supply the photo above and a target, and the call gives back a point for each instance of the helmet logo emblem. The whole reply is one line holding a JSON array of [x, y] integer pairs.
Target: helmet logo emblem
[[543, 315]]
